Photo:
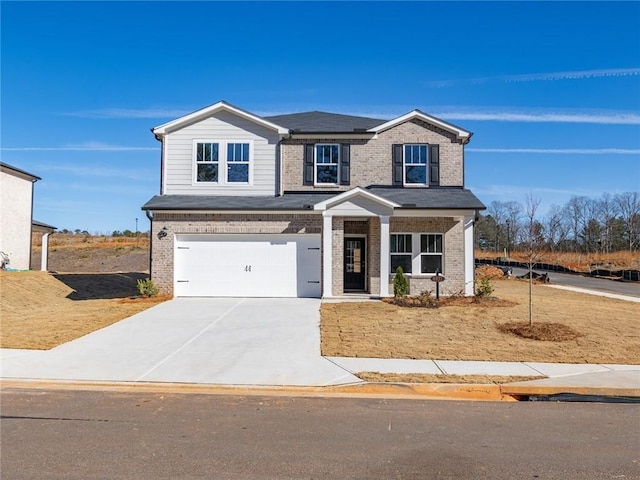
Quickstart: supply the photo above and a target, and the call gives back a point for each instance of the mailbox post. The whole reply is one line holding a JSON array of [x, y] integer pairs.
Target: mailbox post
[[437, 278]]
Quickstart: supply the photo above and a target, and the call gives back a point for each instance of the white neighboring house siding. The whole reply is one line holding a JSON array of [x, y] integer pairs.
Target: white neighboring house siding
[[222, 127], [15, 227]]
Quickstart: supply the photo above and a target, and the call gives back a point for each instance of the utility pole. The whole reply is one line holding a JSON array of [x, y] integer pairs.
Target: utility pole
[[136, 225]]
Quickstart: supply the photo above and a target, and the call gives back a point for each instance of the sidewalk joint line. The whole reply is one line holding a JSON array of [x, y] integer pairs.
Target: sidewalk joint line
[[191, 340]]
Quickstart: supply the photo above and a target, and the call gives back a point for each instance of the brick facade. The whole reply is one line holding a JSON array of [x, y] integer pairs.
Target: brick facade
[[371, 159]]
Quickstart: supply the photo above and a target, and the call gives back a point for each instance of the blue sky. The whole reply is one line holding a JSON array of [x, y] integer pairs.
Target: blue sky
[[550, 90]]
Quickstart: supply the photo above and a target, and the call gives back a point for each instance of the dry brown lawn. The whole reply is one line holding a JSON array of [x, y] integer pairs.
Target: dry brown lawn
[[610, 329], [40, 311]]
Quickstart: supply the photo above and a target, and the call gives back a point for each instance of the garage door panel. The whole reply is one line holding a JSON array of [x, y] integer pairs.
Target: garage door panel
[[247, 265]]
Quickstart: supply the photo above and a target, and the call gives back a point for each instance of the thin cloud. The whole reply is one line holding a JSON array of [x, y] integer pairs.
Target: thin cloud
[[543, 116], [534, 77], [121, 113], [493, 114], [561, 151], [87, 171], [82, 147], [514, 191]]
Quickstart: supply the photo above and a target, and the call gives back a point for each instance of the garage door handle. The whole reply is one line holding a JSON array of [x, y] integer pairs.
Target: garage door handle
[[313, 281], [183, 281]]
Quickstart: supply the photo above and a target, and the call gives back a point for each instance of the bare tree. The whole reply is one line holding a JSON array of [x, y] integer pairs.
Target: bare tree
[[628, 204], [556, 227], [535, 243]]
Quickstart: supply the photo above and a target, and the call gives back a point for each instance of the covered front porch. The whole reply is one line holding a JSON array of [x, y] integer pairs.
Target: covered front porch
[[365, 236]]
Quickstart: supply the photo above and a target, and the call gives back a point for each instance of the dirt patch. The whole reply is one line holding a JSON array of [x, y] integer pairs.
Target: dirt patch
[[40, 311], [610, 330], [546, 332], [432, 378], [489, 272]]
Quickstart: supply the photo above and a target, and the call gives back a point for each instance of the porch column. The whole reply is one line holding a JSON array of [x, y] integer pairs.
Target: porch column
[[44, 257], [469, 266], [327, 247], [384, 256]]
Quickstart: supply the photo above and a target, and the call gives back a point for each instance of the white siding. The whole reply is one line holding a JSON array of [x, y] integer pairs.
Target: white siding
[[15, 219], [221, 127]]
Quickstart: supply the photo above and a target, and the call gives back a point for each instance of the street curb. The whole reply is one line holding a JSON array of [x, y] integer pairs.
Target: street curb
[[417, 391], [520, 390]]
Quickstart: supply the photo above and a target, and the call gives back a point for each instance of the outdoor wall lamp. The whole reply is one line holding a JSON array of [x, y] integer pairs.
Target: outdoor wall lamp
[[162, 233]]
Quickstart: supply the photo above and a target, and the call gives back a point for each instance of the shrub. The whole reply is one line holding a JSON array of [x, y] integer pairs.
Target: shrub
[[147, 288], [484, 288], [400, 284]]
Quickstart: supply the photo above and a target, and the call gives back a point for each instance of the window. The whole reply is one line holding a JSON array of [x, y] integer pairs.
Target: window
[[415, 164], [431, 253], [400, 247], [237, 162], [327, 160], [428, 255], [207, 162]]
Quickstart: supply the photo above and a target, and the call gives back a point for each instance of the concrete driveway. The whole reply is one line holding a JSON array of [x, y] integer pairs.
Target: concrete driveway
[[230, 341]]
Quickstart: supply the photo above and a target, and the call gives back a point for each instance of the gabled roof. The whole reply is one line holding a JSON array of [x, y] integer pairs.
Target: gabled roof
[[203, 113], [19, 172], [461, 133], [355, 192], [324, 122]]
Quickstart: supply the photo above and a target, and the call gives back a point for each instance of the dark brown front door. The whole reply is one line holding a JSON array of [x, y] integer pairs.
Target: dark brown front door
[[354, 264]]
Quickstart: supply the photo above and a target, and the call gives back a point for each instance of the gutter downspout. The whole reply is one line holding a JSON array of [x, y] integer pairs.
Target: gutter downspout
[[33, 190], [150, 217], [44, 257]]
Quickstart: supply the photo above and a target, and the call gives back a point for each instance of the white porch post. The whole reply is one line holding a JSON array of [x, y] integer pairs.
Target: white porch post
[[384, 256], [44, 257], [327, 247], [469, 267]]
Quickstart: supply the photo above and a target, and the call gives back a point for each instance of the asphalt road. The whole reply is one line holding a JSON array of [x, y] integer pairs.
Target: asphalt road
[[88, 435], [572, 280]]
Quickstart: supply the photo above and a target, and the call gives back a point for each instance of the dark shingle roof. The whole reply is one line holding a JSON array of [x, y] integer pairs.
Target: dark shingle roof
[[429, 198], [323, 122], [441, 197]]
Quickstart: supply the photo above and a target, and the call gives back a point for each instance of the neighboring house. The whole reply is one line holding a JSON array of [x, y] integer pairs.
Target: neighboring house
[[310, 204], [16, 218]]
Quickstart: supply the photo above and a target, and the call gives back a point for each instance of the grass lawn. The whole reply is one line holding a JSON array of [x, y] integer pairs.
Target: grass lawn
[[610, 329], [37, 310]]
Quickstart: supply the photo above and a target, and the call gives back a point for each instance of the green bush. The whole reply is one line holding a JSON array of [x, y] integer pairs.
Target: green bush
[[400, 283], [484, 288], [147, 288]]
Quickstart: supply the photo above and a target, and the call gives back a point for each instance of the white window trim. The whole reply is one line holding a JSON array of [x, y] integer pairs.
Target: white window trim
[[416, 254], [196, 163], [411, 253], [315, 164], [405, 164], [432, 254], [222, 163]]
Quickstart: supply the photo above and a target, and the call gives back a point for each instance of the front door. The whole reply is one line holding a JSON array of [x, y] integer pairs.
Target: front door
[[354, 264]]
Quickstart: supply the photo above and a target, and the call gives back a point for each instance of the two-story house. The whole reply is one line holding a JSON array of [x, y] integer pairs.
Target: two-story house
[[310, 205]]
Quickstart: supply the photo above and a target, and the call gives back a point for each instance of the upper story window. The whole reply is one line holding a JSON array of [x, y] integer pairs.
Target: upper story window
[[207, 162], [223, 163], [327, 161], [238, 162], [415, 164]]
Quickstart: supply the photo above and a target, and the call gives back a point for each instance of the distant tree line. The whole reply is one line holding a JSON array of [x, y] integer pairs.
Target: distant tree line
[[606, 224], [115, 233]]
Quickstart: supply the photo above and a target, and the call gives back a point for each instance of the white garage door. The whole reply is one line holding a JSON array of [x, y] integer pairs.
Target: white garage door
[[247, 265]]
